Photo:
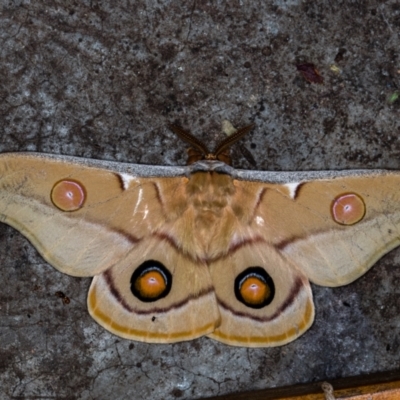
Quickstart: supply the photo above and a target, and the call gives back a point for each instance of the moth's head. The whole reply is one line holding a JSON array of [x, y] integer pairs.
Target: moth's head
[[200, 151]]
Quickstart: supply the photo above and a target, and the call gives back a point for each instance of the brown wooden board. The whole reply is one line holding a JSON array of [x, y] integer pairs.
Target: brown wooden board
[[379, 386]]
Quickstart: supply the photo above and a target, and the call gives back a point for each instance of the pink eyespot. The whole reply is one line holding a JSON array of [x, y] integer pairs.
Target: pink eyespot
[[348, 209], [68, 195]]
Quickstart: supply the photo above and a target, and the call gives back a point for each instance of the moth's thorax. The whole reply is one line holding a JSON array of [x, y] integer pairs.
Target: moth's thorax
[[209, 193], [206, 213]]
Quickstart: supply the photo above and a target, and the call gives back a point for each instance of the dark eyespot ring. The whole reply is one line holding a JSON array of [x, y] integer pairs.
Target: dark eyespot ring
[[254, 287], [151, 281]]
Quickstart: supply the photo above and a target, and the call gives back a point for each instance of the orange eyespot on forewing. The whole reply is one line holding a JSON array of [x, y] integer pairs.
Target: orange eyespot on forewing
[[151, 281], [348, 209], [68, 195], [254, 287]]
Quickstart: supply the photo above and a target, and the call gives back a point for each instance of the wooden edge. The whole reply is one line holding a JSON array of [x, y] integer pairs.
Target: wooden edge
[[378, 386]]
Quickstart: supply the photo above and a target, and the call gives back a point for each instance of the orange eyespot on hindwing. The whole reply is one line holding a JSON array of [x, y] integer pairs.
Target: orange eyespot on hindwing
[[68, 195], [254, 287], [151, 281], [348, 209]]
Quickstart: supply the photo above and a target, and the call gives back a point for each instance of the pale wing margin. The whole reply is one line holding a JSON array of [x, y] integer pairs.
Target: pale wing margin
[[335, 258]]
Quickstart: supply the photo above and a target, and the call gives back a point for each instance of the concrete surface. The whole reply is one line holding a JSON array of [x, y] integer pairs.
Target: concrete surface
[[102, 79]]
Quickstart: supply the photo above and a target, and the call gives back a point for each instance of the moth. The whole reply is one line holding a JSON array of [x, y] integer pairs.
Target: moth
[[204, 249]]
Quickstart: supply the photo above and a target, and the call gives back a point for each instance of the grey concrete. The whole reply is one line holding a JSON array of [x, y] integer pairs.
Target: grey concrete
[[102, 80]]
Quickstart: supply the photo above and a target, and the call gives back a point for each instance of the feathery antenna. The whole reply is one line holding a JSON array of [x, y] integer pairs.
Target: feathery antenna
[[221, 152], [189, 138]]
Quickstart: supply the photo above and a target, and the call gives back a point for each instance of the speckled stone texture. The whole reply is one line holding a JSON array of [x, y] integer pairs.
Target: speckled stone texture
[[102, 79]]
